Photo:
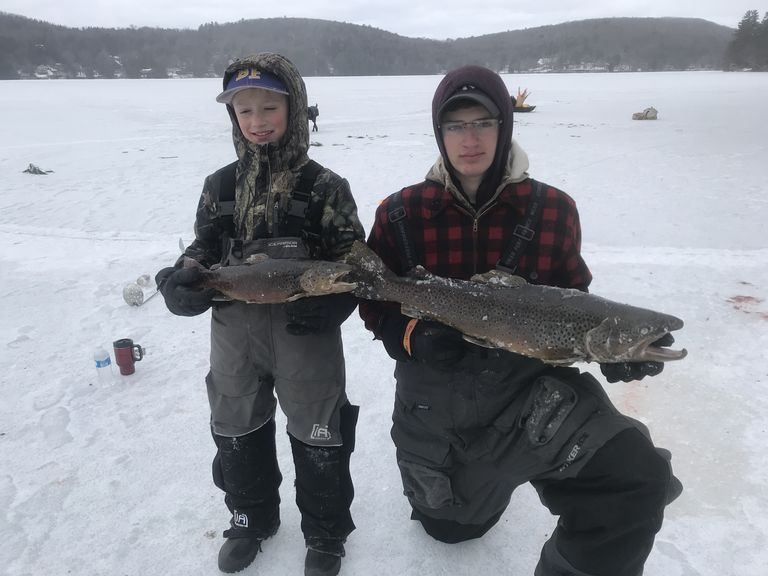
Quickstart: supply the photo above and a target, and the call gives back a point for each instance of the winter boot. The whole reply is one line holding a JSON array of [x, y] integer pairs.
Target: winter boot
[[324, 560], [238, 553]]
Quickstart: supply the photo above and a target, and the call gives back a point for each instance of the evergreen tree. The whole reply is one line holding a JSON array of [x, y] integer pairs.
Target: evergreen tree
[[749, 46]]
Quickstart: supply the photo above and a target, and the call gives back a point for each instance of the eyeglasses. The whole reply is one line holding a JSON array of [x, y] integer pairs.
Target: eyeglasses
[[478, 127]]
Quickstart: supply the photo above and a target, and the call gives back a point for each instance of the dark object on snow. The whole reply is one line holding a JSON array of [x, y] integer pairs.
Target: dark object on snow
[[312, 113], [524, 108], [33, 169]]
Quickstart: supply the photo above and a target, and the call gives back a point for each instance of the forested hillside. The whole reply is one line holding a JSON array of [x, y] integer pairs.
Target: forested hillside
[[31, 48]]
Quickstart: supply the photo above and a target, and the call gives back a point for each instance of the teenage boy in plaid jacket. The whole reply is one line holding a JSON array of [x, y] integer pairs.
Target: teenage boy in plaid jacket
[[471, 424]]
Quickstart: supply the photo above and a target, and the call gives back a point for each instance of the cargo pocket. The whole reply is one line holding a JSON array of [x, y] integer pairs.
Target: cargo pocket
[[427, 487], [551, 401], [421, 458]]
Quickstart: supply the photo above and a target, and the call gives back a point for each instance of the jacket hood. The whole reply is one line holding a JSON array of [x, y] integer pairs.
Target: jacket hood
[[266, 172], [490, 84], [292, 148]]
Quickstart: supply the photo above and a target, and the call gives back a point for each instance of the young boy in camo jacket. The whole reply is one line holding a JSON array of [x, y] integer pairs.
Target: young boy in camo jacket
[[470, 424], [293, 350]]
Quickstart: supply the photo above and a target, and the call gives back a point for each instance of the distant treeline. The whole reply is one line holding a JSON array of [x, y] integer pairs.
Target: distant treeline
[[749, 46], [31, 48]]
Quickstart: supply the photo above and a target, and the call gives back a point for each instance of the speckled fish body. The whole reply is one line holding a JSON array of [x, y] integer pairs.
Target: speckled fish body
[[498, 310], [264, 280]]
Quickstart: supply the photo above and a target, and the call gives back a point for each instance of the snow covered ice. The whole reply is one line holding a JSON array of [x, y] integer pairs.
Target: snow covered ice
[[115, 478]]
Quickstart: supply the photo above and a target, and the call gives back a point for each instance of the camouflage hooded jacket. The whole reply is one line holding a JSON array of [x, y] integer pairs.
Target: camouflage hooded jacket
[[267, 174]]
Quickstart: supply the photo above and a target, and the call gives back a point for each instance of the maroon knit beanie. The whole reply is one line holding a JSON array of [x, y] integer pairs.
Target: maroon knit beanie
[[491, 84]]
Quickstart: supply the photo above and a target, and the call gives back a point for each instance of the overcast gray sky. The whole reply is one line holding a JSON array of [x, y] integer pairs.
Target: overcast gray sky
[[416, 18]]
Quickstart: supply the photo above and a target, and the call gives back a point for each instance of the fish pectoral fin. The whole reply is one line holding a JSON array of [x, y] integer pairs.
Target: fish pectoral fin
[[478, 341], [296, 297], [499, 278], [256, 258]]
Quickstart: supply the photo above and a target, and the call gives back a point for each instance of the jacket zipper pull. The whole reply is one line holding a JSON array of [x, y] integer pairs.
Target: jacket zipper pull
[[276, 217]]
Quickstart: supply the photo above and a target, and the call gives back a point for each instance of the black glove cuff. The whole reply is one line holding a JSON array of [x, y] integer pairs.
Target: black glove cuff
[[163, 275], [343, 304], [318, 314], [630, 371]]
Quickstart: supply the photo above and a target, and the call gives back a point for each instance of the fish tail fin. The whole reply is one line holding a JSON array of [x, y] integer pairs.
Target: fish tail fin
[[188, 262], [366, 261], [369, 269]]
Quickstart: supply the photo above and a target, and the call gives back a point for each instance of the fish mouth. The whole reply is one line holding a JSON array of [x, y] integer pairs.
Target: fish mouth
[[326, 281], [340, 279], [344, 286], [649, 351]]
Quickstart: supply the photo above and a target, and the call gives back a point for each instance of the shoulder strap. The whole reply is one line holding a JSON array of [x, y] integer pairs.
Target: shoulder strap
[[226, 199], [299, 201], [302, 216], [397, 216], [524, 232]]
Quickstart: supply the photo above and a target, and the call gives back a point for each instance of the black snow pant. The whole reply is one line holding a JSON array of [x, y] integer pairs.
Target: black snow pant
[[246, 469], [466, 439], [324, 489], [610, 512]]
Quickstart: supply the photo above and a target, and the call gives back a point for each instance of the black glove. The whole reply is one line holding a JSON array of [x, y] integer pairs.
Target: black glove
[[318, 314], [438, 345], [629, 371], [176, 286]]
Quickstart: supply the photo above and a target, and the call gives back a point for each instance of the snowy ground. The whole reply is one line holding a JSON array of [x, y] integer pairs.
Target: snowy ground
[[114, 478]]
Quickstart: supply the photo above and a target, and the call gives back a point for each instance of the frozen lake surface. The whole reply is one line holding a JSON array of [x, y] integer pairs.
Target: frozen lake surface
[[114, 478]]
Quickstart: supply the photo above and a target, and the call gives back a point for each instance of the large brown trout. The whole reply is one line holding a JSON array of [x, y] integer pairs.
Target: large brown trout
[[265, 280], [499, 310]]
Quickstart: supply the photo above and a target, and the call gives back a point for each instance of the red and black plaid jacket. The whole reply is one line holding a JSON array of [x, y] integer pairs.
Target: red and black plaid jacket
[[450, 241]]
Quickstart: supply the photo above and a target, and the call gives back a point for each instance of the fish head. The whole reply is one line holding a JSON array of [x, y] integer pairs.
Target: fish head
[[325, 277], [642, 338]]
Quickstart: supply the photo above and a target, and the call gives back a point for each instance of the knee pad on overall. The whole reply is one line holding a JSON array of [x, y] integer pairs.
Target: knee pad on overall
[[452, 532]]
